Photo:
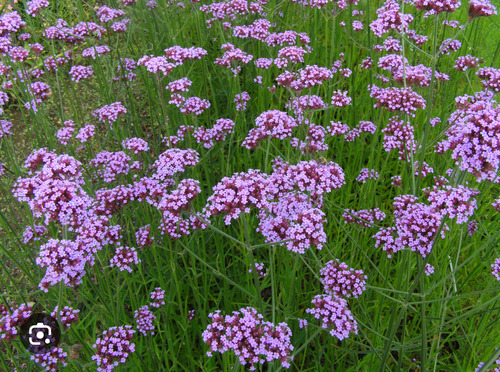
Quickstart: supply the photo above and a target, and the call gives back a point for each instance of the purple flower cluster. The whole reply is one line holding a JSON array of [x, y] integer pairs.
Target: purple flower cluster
[[367, 174], [397, 99], [9, 323], [113, 347], [124, 257], [495, 269], [51, 360], [364, 217], [459, 202], [416, 226], [429, 269], [340, 99], [437, 6], [473, 136], [157, 297], [481, 8], [334, 314], [80, 72], [400, 137], [64, 261], [390, 18], [253, 340], [35, 6], [113, 163], [340, 280], [110, 113], [217, 133], [144, 319], [67, 314], [143, 237], [135, 144], [490, 77], [241, 100], [274, 124]]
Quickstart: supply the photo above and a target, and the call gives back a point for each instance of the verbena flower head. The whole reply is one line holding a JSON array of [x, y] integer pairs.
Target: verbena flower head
[[481, 8], [429, 269], [495, 269], [144, 319], [397, 99], [64, 261], [9, 323], [253, 340], [68, 315], [158, 296], [473, 137], [390, 18], [334, 315], [437, 6], [459, 202], [417, 226], [124, 257], [113, 347], [110, 113], [340, 280], [51, 360]]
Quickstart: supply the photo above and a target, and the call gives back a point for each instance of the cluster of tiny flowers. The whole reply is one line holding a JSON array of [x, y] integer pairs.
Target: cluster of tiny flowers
[[473, 137], [259, 267], [496, 204], [80, 72], [234, 195], [107, 14], [217, 133], [5, 126], [390, 18], [367, 174], [399, 136], [110, 113], [253, 340], [180, 85], [9, 323], [113, 163], [174, 161], [481, 8], [364, 217], [241, 100], [231, 57], [490, 77], [340, 280], [33, 233], [274, 124], [52, 359], [340, 99], [113, 347], [437, 6], [429, 269], [64, 134], [314, 141], [464, 62], [144, 319], [95, 51], [495, 269], [143, 237], [417, 227], [64, 261], [190, 315], [156, 64], [459, 202], [157, 297], [35, 6], [135, 144], [422, 171], [304, 78], [68, 315], [397, 99], [334, 314], [450, 45], [124, 257], [85, 133], [191, 105]]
